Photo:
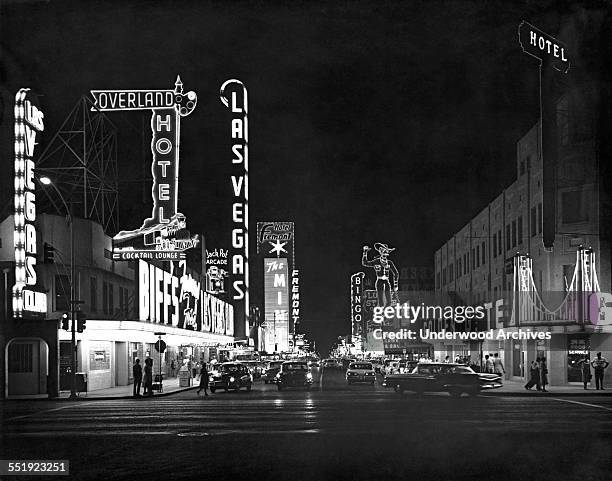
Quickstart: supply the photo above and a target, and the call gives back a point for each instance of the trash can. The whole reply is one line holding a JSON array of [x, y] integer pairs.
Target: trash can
[[184, 377], [81, 381]]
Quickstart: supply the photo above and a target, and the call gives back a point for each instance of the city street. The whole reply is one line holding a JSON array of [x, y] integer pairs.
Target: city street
[[331, 431]]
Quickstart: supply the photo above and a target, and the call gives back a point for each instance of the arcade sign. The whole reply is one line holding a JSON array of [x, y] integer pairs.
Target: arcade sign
[[542, 46], [28, 301], [164, 235]]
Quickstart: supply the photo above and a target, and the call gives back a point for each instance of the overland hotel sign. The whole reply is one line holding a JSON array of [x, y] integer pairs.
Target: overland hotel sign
[[164, 235]]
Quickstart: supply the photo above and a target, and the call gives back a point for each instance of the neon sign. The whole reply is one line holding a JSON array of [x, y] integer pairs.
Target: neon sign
[[176, 299], [27, 302], [233, 94], [384, 269], [276, 302], [164, 234], [543, 47], [295, 296], [357, 303]]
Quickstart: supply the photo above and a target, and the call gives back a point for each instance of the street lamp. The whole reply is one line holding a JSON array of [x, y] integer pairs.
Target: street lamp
[[47, 181]]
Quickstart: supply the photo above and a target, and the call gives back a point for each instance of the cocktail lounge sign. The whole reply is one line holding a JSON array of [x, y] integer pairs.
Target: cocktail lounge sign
[[164, 235]]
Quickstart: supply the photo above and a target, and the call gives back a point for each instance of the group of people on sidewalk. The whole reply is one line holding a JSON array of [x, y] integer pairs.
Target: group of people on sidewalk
[[599, 364], [538, 374], [146, 381]]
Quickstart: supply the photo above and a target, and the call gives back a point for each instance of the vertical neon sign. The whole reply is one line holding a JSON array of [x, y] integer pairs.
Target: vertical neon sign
[[233, 94], [28, 121]]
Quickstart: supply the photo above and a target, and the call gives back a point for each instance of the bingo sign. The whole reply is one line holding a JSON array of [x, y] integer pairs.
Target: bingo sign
[[357, 303], [28, 301], [164, 235]]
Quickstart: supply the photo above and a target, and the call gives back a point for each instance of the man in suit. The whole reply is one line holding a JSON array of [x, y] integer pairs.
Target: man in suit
[[137, 373]]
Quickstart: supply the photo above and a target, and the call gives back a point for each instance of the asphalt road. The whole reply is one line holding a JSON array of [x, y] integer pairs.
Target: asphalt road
[[330, 432]]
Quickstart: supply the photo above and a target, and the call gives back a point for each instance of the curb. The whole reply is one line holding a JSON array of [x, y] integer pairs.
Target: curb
[[589, 393], [102, 398]]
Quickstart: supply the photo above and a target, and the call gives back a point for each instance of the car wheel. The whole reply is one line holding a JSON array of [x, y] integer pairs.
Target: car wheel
[[249, 387], [226, 388], [455, 392], [213, 389], [398, 389], [349, 382]]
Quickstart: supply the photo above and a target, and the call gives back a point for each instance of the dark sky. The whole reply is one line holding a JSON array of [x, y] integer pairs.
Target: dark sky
[[370, 121]]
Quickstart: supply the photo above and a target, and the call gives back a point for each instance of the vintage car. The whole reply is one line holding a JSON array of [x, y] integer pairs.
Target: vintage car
[[230, 375], [268, 374], [293, 373], [441, 377], [360, 372]]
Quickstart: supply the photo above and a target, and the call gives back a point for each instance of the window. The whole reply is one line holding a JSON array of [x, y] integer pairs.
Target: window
[[499, 243], [522, 167], [20, 357], [540, 218], [62, 293], [438, 279], [477, 256], [93, 294], [494, 245], [507, 236], [107, 298], [123, 300], [563, 121], [444, 276], [111, 303], [484, 256], [467, 262], [450, 273], [520, 229], [573, 207], [459, 268], [513, 233], [473, 258], [534, 222]]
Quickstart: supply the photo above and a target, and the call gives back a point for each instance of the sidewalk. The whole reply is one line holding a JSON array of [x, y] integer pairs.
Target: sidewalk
[[170, 386], [517, 388]]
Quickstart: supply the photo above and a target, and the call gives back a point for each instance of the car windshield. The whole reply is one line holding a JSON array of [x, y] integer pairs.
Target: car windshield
[[462, 369], [274, 365], [363, 365], [295, 367], [230, 368]]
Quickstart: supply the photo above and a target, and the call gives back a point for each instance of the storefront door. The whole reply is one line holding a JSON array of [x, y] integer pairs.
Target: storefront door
[[578, 347], [23, 368]]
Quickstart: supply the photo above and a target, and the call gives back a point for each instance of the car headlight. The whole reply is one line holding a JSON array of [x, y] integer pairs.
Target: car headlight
[[232, 379], [309, 376], [278, 376]]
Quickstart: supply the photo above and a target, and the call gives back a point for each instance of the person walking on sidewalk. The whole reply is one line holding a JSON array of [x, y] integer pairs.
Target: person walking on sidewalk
[[498, 365], [534, 375], [488, 364], [543, 373], [599, 364], [585, 370], [137, 373], [203, 380]]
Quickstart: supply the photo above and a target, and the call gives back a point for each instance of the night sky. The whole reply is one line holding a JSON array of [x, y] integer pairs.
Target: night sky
[[372, 121]]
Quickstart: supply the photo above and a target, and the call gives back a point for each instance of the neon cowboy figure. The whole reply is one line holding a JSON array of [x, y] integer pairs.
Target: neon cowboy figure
[[383, 267]]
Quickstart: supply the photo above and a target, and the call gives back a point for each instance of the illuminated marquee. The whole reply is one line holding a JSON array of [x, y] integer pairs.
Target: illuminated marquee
[[276, 302], [27, 302], [543, 47], [164, 235], [275, 234], [233, 94], [179, 301]]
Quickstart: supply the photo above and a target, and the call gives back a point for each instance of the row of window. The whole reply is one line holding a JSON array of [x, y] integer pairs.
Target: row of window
[[514, 236], [62, 296]]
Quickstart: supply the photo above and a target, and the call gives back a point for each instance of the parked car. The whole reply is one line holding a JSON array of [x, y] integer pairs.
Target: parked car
[[230, 375], [360, 372], [293, 373], [270, 371], [330, 363], [441, 377], [314, 364], [254, 367]]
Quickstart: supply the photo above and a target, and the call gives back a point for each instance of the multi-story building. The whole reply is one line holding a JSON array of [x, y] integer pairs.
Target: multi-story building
[[478, 261], [124, 303]]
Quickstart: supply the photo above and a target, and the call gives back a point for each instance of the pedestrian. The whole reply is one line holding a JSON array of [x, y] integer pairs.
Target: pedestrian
[[172, 368], [137, 373], [534, 375], [148, 377], [599, 364], [488, 364], [543, 373], [446, 359], [585, 370], [203, 380], [498, 365]]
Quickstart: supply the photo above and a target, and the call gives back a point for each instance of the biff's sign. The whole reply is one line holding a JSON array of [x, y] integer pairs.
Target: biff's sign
[[543, 47]]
